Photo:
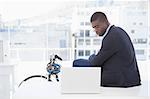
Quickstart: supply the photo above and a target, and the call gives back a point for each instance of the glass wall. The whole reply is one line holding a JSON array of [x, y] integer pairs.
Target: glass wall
[[35, 37]]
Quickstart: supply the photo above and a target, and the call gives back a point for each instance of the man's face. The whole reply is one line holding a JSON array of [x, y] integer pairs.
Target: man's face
[[99, 27]]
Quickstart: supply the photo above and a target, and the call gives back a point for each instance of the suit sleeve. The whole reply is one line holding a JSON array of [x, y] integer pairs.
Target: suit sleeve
[[108, 49]]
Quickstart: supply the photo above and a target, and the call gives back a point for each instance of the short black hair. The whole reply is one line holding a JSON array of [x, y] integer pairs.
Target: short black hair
[[99, 15]]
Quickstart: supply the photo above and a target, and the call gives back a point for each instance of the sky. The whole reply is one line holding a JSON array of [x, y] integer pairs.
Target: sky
[[19, 9], [10, 10]]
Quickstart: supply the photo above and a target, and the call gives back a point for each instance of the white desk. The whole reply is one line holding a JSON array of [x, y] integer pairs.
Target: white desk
[[6, 80], [38, 88]]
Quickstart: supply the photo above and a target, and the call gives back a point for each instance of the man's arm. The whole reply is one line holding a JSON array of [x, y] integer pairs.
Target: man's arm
[[109, 47]]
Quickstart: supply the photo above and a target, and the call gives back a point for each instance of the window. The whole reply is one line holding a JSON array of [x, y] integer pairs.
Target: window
[[134, 23], [80, 41], [94, 51], [96, 42], [88, 41], [132, 31], [140, 23], [140, 41], [87, 53], [80, 53], [141, 52], [82, 23], [87, 23], [62, 43], [81, 33], [87, 33]]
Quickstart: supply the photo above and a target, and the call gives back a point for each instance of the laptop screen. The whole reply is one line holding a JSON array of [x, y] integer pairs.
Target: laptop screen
[[80, 80]]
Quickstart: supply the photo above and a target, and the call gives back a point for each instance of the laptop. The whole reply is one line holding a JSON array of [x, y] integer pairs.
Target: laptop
[[80, 80]]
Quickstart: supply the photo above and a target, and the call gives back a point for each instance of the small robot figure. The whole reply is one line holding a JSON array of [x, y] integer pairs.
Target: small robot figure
[[53, 68]]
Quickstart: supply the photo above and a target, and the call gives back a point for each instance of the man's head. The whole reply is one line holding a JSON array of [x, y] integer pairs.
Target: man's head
[[99, 22]]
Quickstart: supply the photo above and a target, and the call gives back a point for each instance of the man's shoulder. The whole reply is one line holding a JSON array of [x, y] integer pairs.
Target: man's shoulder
[[115, 28], [116, 31], [114, 34]]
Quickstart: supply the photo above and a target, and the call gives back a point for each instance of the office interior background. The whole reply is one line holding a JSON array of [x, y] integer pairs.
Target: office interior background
[[32, 31]]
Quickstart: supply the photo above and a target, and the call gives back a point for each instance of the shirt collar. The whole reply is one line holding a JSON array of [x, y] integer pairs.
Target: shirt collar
[[107, 30]]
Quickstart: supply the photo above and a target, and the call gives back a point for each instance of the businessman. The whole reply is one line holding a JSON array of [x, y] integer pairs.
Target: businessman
[[116, 57]]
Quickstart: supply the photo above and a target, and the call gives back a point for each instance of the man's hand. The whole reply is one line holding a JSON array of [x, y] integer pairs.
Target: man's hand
[[92, 57]]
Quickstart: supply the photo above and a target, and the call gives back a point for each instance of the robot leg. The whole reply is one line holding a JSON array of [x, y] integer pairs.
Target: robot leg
[[57, 78], [49, 77]]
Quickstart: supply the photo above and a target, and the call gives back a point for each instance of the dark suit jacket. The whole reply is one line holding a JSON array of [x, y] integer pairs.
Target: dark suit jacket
[[117, 60]]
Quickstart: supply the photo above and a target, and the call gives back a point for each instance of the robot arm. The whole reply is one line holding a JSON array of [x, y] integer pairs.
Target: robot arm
[[56, 56]]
